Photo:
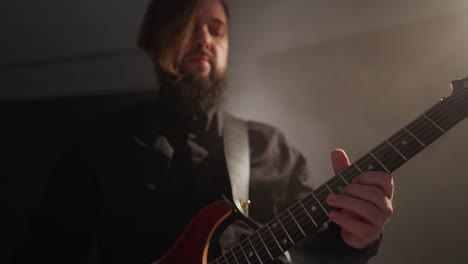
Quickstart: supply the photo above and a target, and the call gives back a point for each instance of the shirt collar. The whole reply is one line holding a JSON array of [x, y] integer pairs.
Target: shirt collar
[[208, 121]]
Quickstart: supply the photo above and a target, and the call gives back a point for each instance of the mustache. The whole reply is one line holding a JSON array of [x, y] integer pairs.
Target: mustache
[[200, 52]]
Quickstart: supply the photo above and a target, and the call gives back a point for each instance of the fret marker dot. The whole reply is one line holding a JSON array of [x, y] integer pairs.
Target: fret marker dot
[[404, 142], [371, 167], [250, 254], [284, 241], [274, 225], [314, 208], [340, 188]]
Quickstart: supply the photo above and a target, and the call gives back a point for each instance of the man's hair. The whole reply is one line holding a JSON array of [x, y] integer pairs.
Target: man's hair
[[166, 29]]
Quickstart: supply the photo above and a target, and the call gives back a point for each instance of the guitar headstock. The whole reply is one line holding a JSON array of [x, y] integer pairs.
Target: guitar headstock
[[460, 91]]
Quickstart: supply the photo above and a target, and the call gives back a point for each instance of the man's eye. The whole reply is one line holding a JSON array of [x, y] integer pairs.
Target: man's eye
[[217, 30]]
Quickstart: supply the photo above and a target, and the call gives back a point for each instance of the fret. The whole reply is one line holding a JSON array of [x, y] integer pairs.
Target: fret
[[274, 237], [298, 214], [273, 247], [434, 123], [405, 143], [230, 259], [342, 178], [311, 218], [397, 151], [369, 163], [255, 251], [359, 169], [381, 164], [350, 172], [311, 204], [417, 139], [243, 252], [336, 184], [448, 123], [234, 255], [293, 218], [389, 158], [328, 187], [265, 245], [286, 232], [447, 110], [322, 191], [425, 130], [320, 204]]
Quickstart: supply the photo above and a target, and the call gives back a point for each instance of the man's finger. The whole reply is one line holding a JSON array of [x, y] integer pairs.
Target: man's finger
[[340, 160], [371, 194], [366, 210], [380, 179], [362, 231]]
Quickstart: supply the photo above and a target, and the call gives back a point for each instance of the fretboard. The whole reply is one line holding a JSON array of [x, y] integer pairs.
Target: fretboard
[[307, 216]]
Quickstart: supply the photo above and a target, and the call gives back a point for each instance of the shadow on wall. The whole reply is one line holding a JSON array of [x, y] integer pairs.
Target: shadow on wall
[[353, 93]]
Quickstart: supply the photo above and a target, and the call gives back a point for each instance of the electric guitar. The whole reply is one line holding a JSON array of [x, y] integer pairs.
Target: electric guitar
[[307, 216]]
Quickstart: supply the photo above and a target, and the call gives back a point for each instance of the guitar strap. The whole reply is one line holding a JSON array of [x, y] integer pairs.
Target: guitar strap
[[237, 153]]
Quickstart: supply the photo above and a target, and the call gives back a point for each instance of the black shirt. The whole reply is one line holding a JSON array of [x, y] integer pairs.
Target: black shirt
[[135, 179]]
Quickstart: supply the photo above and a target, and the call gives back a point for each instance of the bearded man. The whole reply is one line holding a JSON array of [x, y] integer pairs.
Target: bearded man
[[137, 177]]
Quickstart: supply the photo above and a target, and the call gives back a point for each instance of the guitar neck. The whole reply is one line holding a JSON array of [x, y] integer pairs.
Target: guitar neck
[[307, 216]]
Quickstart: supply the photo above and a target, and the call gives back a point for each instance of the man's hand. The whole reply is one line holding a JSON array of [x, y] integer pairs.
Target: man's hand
[[366, 204]]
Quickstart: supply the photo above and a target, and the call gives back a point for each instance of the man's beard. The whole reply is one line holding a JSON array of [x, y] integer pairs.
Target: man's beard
[[191, 95]]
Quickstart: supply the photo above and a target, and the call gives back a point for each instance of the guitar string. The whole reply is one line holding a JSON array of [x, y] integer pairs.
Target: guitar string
[[292, 207], [298, 220], [436, 116], [437, 121], [443, 106]]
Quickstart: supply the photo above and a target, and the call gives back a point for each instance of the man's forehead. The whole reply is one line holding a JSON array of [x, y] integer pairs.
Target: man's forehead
[[212, 10], [219, 21]]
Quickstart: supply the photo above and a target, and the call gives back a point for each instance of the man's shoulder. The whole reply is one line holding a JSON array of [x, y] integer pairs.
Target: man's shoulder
[[262, 129], [270, 148], [263, 136]]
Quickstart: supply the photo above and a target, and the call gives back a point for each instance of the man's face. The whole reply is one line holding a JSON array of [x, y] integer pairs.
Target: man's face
[[207, 52]]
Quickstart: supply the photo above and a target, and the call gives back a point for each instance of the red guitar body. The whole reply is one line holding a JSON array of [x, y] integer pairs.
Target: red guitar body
[[193, 244]]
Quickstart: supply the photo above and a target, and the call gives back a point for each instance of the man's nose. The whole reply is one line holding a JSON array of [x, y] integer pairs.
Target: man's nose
[[202, 37]]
